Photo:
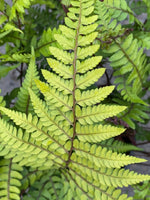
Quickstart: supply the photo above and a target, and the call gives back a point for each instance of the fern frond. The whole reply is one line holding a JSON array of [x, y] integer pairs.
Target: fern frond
[[48, 187], [54, 98], [63, 134], [26, 150], [71, 186], [16, 57], [101, 157], [48, 120], [89, 78], [134, 112], [60, 68], [10, 180], [87, 51], [30, 176], [141, 191], [61, 55], [90, 97], [128, 62], [5, 69], [108, 26], [23, 103], [118, 146], [105, 176], [19, 6], [143, 38], [93, 190], [62, 85], [89, 115], [88, 64], [97, 133], [2, 102], [119, 10], [12, 27], [32, 125], [46, 39]]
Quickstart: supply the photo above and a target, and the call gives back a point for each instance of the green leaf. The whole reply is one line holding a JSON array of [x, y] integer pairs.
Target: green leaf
[[5, 69]]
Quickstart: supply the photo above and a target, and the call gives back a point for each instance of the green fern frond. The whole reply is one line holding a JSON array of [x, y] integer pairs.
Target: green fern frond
[[69, 187], [26, 150], [48, 187], [2, 102], [101, 157], [60, 68], [52, 122], [105, 176], [90, 97], [134, 112], [118, 146], [141, 191], [88, 115], [59, 54], [143, 38], [54, 98], [63, 134], [12, 27], [108, 27], [23, 103], [120, 10], [17, 57], [4, 33], [47, 39], [89, 78], [97, 133], [19, 6], [62, 85], [10, 180], [88, 64], [39, 131], [5, 69], [128, 62], [30, 176]]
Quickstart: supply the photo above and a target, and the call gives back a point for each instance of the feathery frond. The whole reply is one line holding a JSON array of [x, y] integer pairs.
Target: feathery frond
[[10, 179], [64, 132], [23, 102], [128, 62]]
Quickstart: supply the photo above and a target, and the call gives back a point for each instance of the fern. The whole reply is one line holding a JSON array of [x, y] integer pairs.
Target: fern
[[29, 177], [131, 77], [48, 187], [108, 27], [129, 65], [134, 112], [19, 7], [46, 40], [17, 57], [5, 69], [118, 146], [2, 102], [23, 103], [119, 10], [10, 180], [143, 38], [142, 191], [63, 134]]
